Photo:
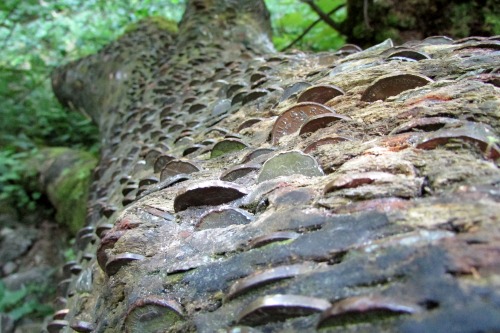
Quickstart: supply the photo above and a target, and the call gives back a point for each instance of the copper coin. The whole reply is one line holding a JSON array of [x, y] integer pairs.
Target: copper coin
[[320, 94], [324, 141], [293, 118], [392, 85], [321, 121]]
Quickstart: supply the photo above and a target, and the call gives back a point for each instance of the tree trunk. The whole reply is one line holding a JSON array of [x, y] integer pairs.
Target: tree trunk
[[230, 195]]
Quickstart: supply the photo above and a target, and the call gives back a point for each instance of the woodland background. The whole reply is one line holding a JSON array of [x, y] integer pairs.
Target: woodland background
[[36, 36]]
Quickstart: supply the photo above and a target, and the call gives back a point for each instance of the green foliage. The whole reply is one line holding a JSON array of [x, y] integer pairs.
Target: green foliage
[[19, 303], [291, 17]]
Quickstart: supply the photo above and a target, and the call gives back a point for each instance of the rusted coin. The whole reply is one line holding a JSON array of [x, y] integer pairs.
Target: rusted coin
[[227, 146], [392, 85], [293, 118], [289, 163], [161, 161], [238, 172], [81, 326], [208, 193], [116, 262], [412, 54], [177, 167], [321, 121], [221, 218], [152, 314], [363, 309], [277, 236], [324, 141], [280, 307], [265, 277], [320, 94]]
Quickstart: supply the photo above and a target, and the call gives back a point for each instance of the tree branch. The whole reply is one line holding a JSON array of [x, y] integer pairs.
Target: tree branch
[[309, 28], [327, 19]]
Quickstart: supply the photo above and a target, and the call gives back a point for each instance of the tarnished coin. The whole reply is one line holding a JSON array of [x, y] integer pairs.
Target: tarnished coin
[[362, 309], [292, 119], [280, 307], [82, 326], [152, 314], [221, 218], [412, 54], [238, 172], [265, 277], [392, 85], [227, 146], [177, 167], [271, 238], [290, 163], [208, 193], [116, 262]]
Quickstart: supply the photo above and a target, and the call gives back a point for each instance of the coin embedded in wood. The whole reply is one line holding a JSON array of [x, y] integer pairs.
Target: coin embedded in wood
[[81, 326], [227, 146], [293, 118], [61, 314], [116, 262], [256, 153], [349, 49], [208, 193], [238, 172], [265, 277], [320, 94], [427, 124], [248, 123], [360, 309], [280, 307], [392, 85], [293, 90], [161, 161], [221, 218], [289, 163], [56, 326], [321, 121], [177, 167], [277, 236], [412, 54], [324, 141], [152, 314], [478, 134]]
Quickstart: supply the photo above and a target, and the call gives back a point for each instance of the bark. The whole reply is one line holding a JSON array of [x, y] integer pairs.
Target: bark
[[208, 212]]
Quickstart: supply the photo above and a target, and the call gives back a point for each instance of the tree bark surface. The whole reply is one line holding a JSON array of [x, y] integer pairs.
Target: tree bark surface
[[219, 205]]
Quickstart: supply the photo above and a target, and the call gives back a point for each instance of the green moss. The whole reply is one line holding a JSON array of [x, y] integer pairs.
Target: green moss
[[66, 176], [158, 21]]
